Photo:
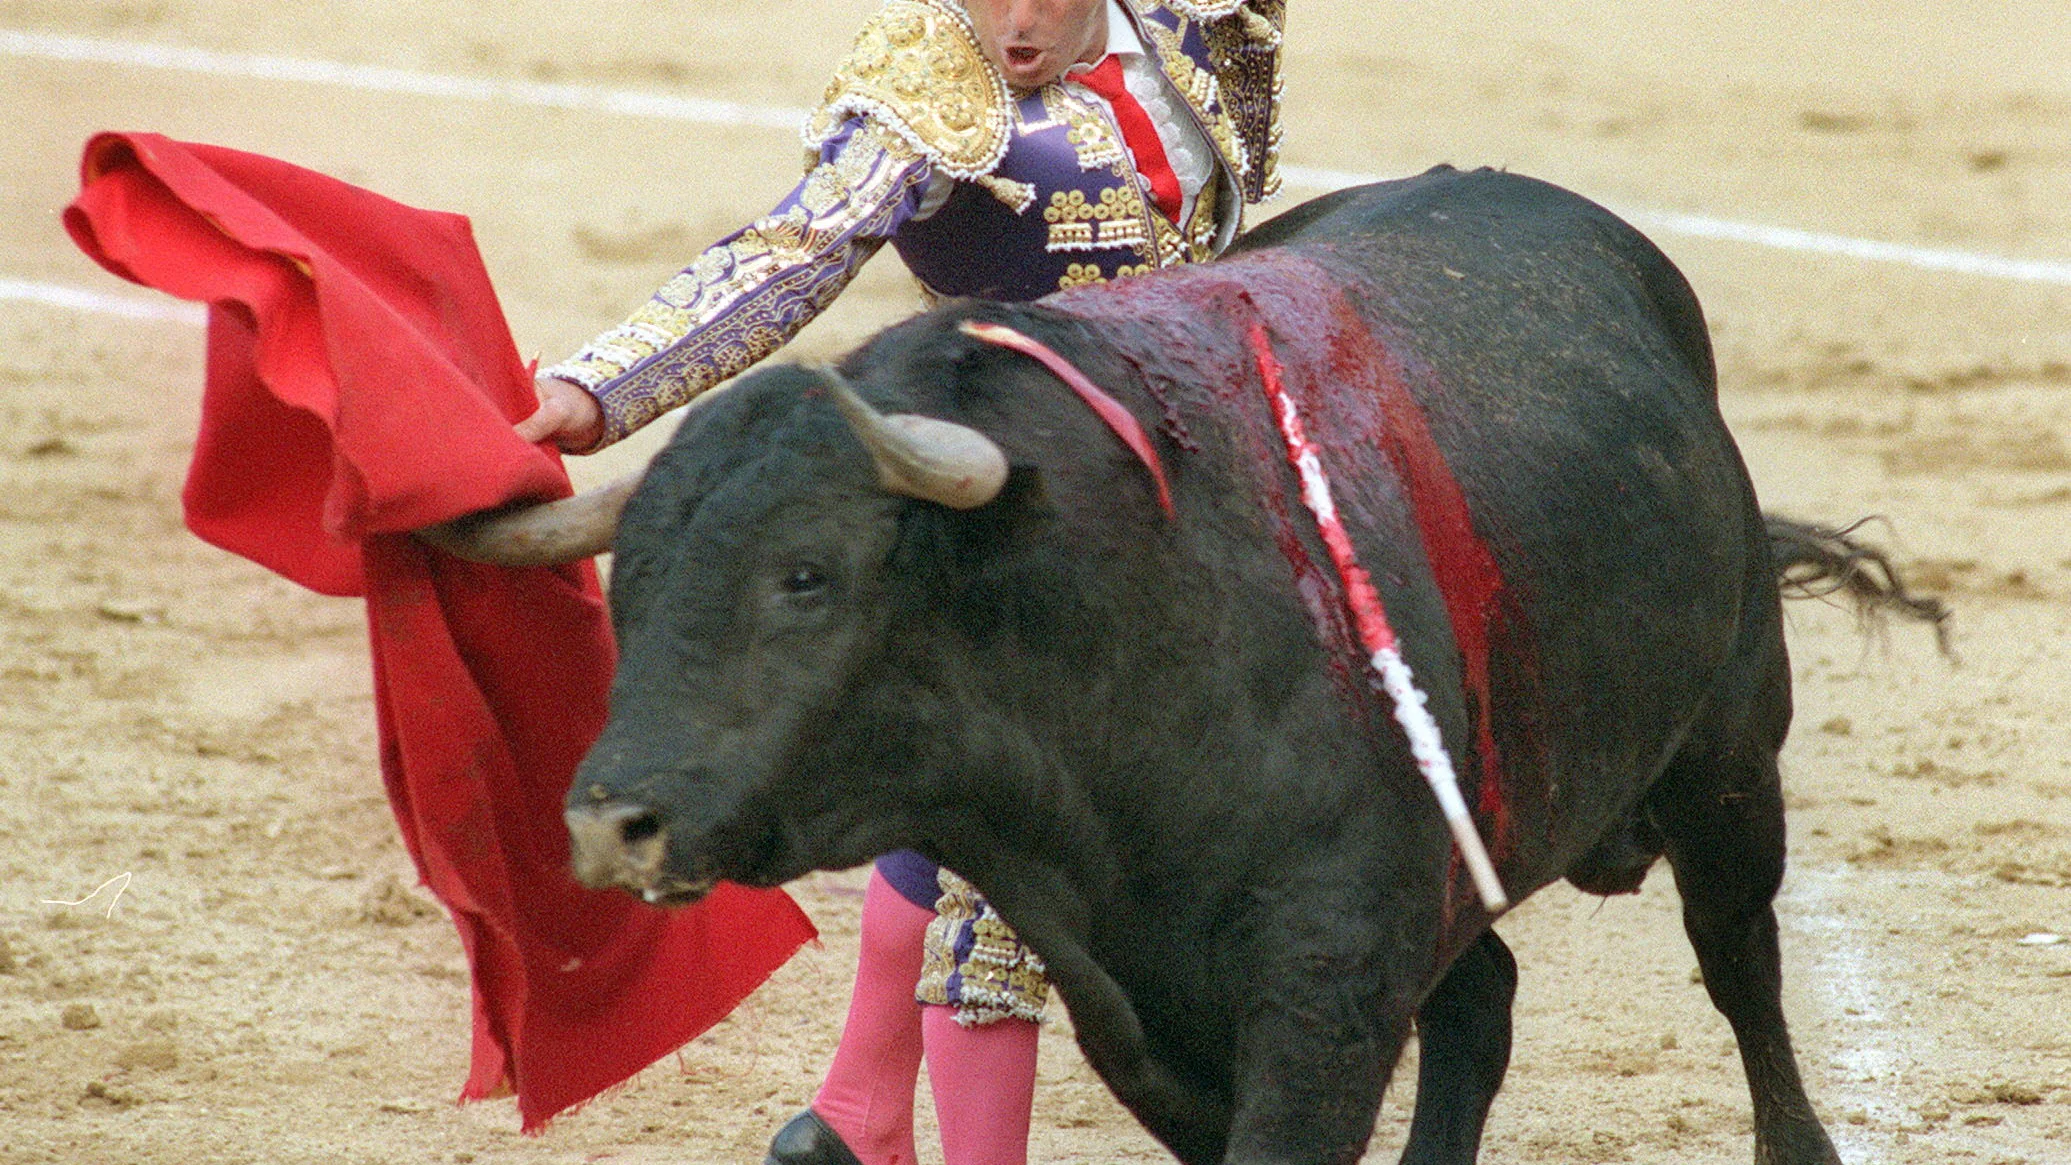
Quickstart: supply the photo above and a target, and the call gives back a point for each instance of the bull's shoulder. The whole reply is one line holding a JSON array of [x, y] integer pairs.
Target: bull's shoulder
[[1441, 200], [916, 70], [1468, 213], [1491, 241]]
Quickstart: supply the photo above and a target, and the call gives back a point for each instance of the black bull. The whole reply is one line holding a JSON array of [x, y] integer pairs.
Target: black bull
[[1152, 739]]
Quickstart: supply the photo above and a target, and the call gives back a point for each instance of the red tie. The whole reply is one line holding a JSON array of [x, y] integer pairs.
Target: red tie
[[1140, 134]]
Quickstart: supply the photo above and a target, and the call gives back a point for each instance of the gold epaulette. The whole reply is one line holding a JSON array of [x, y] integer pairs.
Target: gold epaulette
[[1256, 26], [916, 69]]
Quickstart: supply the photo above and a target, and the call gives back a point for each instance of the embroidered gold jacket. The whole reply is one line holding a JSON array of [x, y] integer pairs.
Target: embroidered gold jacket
[[1045, 196]]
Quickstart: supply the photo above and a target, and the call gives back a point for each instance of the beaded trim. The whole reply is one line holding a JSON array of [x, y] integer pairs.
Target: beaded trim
[[1245, 53], [1200, 9]]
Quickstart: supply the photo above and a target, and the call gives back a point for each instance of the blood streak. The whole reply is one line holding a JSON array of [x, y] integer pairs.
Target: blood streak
[[1469, 580], [1375, 635], [1425, 745]]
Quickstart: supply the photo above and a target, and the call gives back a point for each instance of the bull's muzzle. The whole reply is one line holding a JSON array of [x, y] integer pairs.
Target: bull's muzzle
[[625, 844]]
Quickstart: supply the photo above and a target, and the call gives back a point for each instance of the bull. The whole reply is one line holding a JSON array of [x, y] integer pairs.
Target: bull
[[929, 599]]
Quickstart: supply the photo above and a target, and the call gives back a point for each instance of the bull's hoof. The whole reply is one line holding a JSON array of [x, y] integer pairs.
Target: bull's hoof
[[807, 1140]]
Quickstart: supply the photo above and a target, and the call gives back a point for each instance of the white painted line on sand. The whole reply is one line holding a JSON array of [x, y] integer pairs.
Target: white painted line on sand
[[74, 299], [1775, 238], [1787, 239], [380, 79], [700, 111], [1852, 993]]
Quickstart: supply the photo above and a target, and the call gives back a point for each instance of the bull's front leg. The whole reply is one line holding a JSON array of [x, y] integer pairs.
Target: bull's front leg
[[1326, 1024], [1049, 915]]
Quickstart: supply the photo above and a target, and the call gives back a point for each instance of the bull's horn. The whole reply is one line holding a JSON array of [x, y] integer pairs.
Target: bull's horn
[[546, 534], [922, 457]]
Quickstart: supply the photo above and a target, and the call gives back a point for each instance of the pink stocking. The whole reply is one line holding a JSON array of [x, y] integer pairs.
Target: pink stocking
[[867, 1097], [984, 1084]]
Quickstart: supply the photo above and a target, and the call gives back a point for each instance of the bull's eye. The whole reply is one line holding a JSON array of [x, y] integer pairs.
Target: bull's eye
[[805, 582]]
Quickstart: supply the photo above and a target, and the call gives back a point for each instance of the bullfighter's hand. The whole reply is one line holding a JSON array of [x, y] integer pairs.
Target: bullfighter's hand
[[567, 415]]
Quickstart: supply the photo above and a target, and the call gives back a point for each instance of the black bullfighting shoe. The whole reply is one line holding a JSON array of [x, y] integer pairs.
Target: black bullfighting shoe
[[807, 1140]]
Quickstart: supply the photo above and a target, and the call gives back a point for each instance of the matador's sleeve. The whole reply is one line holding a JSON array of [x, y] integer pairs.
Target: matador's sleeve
[[1244, 40], [748, 294]]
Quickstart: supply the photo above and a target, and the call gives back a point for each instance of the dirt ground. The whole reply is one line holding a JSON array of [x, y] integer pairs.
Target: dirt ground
[[262, 982]]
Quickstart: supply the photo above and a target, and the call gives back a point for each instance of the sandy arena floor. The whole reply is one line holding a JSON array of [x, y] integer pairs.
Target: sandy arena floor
[[269, 986]]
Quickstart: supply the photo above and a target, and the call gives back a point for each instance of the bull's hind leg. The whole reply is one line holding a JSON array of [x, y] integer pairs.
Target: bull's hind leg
[[1720, 809], [1463, 1039]]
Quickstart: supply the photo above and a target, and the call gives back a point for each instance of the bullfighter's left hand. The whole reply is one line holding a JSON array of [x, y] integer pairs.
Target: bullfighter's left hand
[[568, 416]]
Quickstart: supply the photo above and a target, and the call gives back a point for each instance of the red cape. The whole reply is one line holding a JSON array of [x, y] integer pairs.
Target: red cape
[[361, 384]]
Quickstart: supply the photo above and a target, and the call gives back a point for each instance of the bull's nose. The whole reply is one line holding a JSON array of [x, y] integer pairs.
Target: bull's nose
[[616, 844]]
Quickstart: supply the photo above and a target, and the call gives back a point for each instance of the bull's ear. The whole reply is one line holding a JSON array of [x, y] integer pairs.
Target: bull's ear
[[947, 548], [1022, 508], [973, 567]]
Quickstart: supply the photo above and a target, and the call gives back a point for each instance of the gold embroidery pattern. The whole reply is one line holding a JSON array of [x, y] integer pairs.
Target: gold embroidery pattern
[[917, 68], [938, 944], [1098, 146], [1120, 218], [1000, 979], [1237, 97], [1093, 138], [1169, 242], [1071, 221], [1018, 196], [1080, 275], [1201, 229], [1244, 50], [824, 189], [744, 298], [1117, 220], [1201, 90], [1269, 170], [1204, 9], [1124, 223]]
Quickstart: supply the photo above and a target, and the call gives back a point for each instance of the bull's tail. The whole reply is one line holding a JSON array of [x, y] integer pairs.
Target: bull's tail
[[1816, 561]]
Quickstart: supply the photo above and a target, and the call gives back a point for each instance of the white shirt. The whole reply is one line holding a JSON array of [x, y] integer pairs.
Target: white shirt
[[1188, 152]]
